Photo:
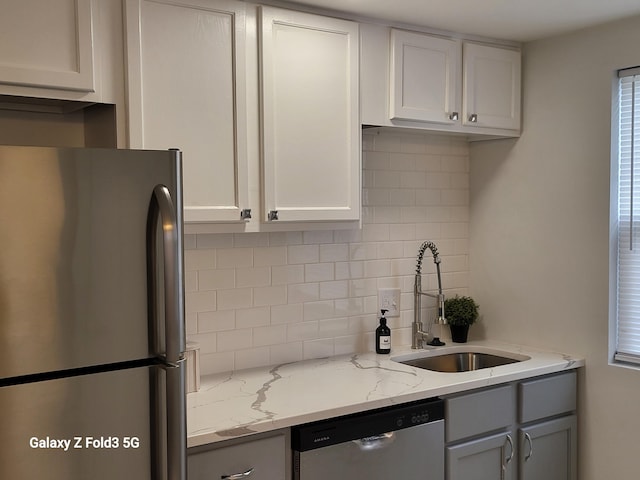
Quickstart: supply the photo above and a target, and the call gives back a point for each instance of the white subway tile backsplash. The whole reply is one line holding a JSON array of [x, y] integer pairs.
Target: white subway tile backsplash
[[400, 196], [191, 323], [386, 179], [255, 299], [303, 292], [349, 270], [317, 236], [318, 310], [363, 287], [216, 362], [335, 289], [363, 251], [289, 313], [216, 279], [253, 277], [191, 281], [333, 327], [234, 298], [372, 160], [297, 254], [189, 242], [387, 215], [252, 357], [216, 321], [390, 250], [273, 295], [198, 259], [224, 240], [347, 307], [234, 340], [286, 353], [318, 272], [253, 317], [271, 335], [250, 239], [269, 256], [285, 238], [302, 331], [286, 275], [234, 257], [429, 163], [337, 252], [318, 348], [200, 302], [375, 232], [377, 268], [428, 197]]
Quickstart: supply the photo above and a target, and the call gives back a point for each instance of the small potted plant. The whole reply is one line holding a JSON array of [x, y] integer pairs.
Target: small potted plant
[[460, 312]]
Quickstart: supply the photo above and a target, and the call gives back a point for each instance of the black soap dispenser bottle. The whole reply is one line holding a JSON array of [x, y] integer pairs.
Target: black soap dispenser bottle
[[383, 335]]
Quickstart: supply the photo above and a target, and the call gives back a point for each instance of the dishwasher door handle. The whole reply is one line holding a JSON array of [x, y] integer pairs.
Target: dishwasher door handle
[[376, 442]]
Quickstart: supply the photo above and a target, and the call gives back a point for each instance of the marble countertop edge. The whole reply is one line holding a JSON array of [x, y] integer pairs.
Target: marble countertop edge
[[239, 403]]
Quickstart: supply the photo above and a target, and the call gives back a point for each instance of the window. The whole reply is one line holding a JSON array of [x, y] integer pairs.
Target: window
[[627, 344]]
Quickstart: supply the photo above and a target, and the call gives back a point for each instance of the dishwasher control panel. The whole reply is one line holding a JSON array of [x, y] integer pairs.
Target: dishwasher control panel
[[366, 424]]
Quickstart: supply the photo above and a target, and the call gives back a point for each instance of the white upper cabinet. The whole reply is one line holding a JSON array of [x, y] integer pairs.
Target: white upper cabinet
[[423, 81], [425, 78], [186, 87], [309, 117], [491, 87], [47, 44]]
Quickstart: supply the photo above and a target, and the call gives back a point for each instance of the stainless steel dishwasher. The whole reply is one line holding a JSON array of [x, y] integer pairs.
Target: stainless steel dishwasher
[[401, 442]]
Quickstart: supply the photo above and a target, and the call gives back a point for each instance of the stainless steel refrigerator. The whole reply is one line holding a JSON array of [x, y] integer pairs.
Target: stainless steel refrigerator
[[91, 315]]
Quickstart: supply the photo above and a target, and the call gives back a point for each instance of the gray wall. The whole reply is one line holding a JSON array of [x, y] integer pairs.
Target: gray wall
[[539, 231]]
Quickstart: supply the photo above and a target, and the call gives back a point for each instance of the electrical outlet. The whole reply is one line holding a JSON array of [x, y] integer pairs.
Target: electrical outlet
[[389, 299]]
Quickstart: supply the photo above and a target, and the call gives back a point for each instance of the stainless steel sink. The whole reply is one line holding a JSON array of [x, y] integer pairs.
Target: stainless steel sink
[[459, 361]]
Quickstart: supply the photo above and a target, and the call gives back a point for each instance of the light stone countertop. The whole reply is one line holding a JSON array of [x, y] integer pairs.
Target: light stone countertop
[[257, 400]]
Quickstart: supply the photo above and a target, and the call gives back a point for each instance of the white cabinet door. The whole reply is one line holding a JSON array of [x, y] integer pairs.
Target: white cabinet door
[[186, 82], [424, 78], [310, 117], [47, 43], [491, 87]]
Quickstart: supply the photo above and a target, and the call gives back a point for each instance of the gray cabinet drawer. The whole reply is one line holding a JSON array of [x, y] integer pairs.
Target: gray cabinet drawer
[[546, 397], [480, 412], [266, 456]]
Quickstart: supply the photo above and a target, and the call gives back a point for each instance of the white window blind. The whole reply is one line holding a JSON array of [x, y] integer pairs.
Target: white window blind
[[628, 281]]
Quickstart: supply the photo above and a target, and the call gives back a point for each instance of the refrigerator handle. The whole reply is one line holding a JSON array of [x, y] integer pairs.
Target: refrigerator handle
[[162, 210]]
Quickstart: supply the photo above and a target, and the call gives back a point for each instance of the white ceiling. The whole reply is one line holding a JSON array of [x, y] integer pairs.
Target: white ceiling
[[518, 20]]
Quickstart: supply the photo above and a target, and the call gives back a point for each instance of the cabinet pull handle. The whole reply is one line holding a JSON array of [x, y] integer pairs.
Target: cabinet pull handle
[[511, 450], [473, 118], [237, 476], [453, 116], [245, 214], [272, 215], [527, 437]]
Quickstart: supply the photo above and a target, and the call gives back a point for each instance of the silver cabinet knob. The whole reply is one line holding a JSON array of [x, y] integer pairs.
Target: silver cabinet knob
[[245, 214], [272, 215], [473, 118], [453, 116]]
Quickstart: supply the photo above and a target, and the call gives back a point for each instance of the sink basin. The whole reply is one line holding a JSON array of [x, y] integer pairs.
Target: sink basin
[[459, 361]]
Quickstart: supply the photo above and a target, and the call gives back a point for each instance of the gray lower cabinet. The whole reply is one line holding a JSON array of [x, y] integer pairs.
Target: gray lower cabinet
[[486, 458], [258, 457], [548, 450], [525, 430]]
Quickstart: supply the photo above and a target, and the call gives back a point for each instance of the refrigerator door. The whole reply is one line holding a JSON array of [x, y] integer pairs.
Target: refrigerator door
[[85, 427], [73, 273]]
